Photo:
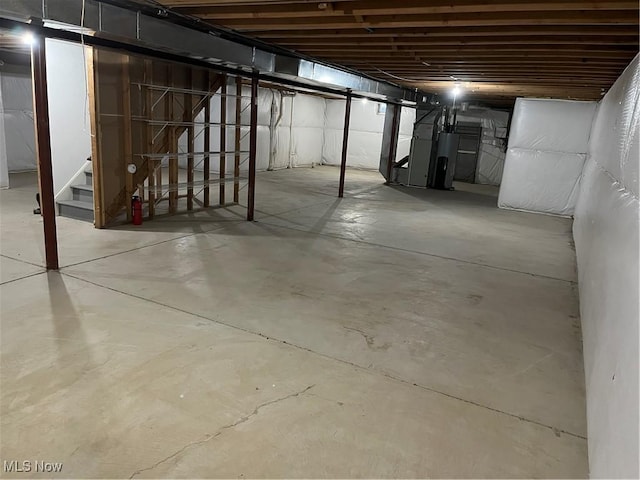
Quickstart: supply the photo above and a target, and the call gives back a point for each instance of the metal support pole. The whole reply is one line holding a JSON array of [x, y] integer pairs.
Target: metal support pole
[[223, 138], [188, 116], [43, 150], [207, 145], [393, 147], [345, 144], [237, 139], [253, 141]]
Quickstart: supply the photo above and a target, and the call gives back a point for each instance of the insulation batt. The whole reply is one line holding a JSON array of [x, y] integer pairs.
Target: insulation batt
[[607, 244], [547, 150]]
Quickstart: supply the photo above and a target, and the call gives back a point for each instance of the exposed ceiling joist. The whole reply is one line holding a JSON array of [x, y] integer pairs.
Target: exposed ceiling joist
[[498, 48]]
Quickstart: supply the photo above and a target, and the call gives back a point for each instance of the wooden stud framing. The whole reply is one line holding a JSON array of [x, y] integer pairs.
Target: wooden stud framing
[[96, 156], [148, 131], [127, 131]]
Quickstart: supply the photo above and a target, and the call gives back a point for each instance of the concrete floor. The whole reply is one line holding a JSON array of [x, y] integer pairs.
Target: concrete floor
[[394, 333]]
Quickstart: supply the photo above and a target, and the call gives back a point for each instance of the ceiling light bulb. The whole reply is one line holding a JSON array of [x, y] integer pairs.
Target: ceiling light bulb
[[27, 38], [456, 91], [365, 101]]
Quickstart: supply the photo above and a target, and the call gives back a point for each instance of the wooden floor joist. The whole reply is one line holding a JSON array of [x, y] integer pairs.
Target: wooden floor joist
[[381, 38]]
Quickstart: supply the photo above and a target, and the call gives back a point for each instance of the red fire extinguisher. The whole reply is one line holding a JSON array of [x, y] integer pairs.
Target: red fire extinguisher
[[136, 210]]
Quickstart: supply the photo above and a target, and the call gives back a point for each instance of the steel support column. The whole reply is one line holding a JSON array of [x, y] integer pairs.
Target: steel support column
[[43, 150], [253, 142], [393, 148], [223, 138], [345, 144]]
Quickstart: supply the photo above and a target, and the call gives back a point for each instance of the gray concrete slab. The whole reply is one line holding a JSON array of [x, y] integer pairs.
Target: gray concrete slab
[[21, 232], [115, 386], [11, 270], [394, 333]]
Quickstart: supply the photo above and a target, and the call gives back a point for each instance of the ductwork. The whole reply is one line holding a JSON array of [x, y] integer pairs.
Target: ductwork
[[135, 27]]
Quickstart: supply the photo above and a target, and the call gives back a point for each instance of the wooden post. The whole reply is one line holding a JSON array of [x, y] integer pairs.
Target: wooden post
[[394, 141], [43, 150], [188, 117], [93, 91], [207, 144], [127, 131], [253, 141], [238, 134], [345, 144], [223, 137]]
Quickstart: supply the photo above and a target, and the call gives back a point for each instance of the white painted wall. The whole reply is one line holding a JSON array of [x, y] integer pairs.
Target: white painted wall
[[607, 244], [68, 110]]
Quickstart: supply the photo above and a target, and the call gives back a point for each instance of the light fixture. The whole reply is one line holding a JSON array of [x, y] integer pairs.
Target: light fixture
[[27, 38], [456, 91], [365, 101]]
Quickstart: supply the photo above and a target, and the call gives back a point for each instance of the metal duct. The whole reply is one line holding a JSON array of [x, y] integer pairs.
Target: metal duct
[[133, 27]]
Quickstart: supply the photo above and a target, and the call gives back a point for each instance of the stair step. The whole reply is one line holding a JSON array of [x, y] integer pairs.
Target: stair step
[[83, 193], [76, 209], [88, 177]]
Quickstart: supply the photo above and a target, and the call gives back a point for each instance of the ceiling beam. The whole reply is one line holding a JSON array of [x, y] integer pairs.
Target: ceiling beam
[[455, 32], [406, 7], [631, 40], [498, 19], [504, 48]]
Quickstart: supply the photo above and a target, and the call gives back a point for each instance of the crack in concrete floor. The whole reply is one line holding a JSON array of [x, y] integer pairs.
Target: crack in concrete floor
[[220, 431]]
